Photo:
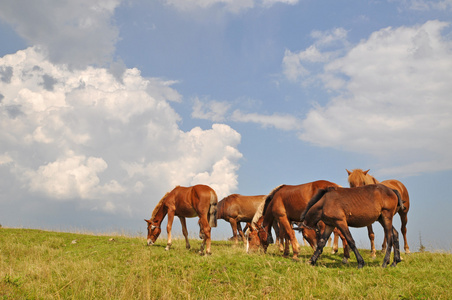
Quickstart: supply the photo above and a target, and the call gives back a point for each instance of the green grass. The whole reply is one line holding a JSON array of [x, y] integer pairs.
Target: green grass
[[36, 264]]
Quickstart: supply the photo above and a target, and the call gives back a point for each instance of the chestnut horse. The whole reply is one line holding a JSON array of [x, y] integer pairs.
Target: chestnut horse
[[354, 207], [237, 208], [359, 177], [284, 205], [185, 202]]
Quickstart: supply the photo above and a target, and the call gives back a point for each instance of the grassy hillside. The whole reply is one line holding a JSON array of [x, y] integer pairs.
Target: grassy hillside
[[37, 264]]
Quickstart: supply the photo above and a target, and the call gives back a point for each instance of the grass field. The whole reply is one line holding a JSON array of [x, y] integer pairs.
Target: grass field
[[36, 264]]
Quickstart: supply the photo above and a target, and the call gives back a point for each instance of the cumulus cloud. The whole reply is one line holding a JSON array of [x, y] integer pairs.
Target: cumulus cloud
[[77, 33], [393, 99], [84, 135]]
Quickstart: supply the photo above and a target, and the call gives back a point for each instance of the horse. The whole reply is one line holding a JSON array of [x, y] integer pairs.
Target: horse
[[359, 177], [185, 202], [285, 204], [251, 235], [354, 207], [237, 208]]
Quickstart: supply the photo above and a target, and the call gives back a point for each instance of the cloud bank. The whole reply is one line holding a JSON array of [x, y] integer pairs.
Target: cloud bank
[[83, 135], [392, 96]]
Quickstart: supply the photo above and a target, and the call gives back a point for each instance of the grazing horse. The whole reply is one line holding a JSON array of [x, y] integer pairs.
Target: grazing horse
[[185, 202], [359, 177], [354, 207], [284, 205], [237, 208]]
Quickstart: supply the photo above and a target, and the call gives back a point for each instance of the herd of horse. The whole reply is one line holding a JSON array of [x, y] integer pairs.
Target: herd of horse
[[318, 208]]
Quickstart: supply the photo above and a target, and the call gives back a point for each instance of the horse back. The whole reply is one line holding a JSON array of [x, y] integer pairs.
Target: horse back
[[360, 206], [292, 200], [239, 207], [192, 201]]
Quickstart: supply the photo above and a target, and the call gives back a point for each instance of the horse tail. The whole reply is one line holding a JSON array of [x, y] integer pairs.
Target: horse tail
[[212, 215], [270, 196], [399, 200], [320, 193]]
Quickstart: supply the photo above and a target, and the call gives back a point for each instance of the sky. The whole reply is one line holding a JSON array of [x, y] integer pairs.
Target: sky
[[105, 106]]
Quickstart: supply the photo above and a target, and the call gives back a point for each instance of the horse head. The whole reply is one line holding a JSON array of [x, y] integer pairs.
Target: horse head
[[153, 231], [358, 177]]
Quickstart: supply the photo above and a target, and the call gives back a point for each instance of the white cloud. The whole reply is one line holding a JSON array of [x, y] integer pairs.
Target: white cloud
[[425, 5], [84, 135], [234, 6], [210, 110], [306, 66], [394, 99], [78, 33], [279, 121]]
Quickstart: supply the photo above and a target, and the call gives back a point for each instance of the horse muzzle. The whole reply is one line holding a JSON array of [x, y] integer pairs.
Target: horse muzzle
[[150, 242]]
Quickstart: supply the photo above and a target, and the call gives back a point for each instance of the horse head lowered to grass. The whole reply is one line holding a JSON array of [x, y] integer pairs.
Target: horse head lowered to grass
[[354, 207], [358, 177], [237, 208], [284, 205], [185, 202]]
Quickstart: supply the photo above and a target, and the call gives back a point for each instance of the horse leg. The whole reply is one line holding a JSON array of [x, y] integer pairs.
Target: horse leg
[[321, 243], [290, 233], [351, 243], [395, 241], [205, 228], [239, 229], [168, 229], [185, 231], [335, 243], [404, 220], [234, 230], [386, 222], [280, 240], [284, 245], [344, 245], [370, 232]]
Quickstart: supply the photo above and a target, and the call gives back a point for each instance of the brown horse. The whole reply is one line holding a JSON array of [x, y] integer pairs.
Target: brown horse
[[237, 208], [185, 202], [359, 177], [284, 205], [354, 207]]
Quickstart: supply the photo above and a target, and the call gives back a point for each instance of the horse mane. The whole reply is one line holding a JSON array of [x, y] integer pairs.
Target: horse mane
[[157, 207], [358, 175], [258, 214], [270, 196]]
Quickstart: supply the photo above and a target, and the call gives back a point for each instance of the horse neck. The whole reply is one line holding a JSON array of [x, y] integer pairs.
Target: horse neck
[[160, 214]]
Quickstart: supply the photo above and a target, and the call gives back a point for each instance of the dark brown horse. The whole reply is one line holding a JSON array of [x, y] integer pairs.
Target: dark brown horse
[[359, 177], [354, 207], [185, 202], [237, 208], [284, 205]]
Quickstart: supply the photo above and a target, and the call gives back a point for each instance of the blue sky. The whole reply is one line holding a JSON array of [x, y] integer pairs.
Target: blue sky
[[105, 107]]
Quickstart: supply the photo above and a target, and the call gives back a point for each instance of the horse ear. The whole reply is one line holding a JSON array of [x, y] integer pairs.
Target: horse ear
[[349, 173], [147, 221], [365, 172]]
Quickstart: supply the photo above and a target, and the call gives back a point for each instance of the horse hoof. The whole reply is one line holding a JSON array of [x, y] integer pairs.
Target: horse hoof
[[295, 259], [167, 248], [345, 260], [360, 266]]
